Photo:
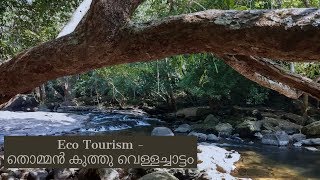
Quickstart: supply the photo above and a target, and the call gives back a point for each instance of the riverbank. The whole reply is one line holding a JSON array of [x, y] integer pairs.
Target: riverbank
[[226, 156]]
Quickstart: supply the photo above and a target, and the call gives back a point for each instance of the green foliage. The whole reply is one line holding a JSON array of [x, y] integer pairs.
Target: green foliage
[[204, 76], [25, 25], [311, 70]]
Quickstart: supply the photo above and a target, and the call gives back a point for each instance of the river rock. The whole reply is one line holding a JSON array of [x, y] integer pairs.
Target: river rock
[[258, 135], [37, 175], [312, 130], [103, 173], [194, 112], [63, 173], [279, 138], [248, 128], [162, 131], [211, 119], [212, 137], [22, 102], [297, 137], [6, 176], [158, 175], [274, 124], [294, 118], [183, 128], [207, 125], [200, 136], [311, 142], [136, 173], [224, 129], [311, 148], [183, 173]]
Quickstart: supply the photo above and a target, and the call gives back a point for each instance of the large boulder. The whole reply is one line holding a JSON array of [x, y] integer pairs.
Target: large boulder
[[183, 128], [248, 128], [279, 138], [194, 113], [200, 136], [208, 125], [162, 131], [158, 175], [274, 124], [297, 137], [102, 173], [224, 129], [294, 118], [212, 137], [311, 142], [22, 102], [312, 130], [211, 119], [37, 175]]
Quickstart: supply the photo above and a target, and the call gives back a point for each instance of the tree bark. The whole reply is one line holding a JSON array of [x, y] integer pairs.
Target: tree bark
[[106, 37], [274, 77]]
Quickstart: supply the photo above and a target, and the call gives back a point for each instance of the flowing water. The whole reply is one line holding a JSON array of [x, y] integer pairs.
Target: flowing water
[[257, 161]]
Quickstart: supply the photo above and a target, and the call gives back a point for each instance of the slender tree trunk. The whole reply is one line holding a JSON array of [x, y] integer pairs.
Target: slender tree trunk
[[42, 93], [305, 105]]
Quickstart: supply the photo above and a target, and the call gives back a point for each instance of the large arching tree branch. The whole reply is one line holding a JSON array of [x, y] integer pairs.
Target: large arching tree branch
[[269, 75], [106, 36]]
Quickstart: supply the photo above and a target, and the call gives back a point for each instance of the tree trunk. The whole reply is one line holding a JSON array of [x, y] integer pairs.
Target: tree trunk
[[305, 105], [106, 37]]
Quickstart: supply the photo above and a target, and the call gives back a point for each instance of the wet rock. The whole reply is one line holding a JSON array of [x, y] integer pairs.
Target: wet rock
[[136, 173], [258, 135], [63, 173], [6, 176], [297, 137], [162, 131], [182, 173], [248, 128], [212, 137], [200, 136], [257, 114], [159, 175], [312, 130], [183, 128], [311, 148], [294, 118], [310, 120], [279, 138], [297, 144], [207, 125], [18, 173], [37, 175], [203, 176], [106, 174], [193, 113], [311, 142], [22, 102], [224, 129], [211, 119], [274, 124]]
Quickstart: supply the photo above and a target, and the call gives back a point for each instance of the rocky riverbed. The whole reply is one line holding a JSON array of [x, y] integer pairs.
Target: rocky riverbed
[[257, 144]]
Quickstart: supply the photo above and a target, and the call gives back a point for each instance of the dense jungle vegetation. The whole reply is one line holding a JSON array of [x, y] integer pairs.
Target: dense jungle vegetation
[[182, 80]]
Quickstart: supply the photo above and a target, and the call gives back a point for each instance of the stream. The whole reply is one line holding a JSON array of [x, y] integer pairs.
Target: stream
[[257, 160]]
